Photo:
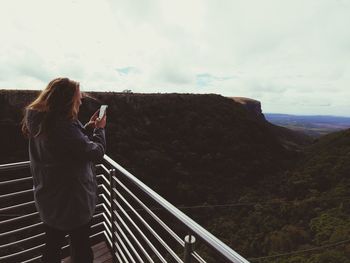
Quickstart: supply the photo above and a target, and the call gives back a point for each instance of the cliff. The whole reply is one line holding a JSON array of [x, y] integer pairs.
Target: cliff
[[251, 105]]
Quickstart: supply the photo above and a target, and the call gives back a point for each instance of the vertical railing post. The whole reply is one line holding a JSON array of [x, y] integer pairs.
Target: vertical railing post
[[189, 247], [113, 228]]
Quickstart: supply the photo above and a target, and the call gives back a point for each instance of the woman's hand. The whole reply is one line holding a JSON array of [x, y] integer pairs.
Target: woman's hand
[[101, 123], [95, 122], [93, 119]]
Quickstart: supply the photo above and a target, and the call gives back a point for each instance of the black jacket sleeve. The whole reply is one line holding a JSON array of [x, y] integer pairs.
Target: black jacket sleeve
[[88, 129], [77, 144]]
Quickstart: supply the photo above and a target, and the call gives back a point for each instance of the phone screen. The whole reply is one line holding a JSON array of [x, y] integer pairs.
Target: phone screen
[[102, 111]]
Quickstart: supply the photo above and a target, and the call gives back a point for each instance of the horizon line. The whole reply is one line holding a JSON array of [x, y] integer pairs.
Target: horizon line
[[308, 115]]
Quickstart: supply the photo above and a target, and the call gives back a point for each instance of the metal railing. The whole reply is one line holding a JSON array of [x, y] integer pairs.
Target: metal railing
[[137, 223], [21, 230]]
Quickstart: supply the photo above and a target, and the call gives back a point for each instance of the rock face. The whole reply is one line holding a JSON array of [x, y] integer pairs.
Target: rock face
[[252, 106]]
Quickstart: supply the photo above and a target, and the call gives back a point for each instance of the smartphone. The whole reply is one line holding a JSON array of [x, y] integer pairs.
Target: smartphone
[[102, 111]]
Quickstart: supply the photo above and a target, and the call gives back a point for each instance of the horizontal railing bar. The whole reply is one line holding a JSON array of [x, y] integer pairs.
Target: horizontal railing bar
[[119, 260], [100, 205], [32, 259], [154, 216], [38, 257], [149, 243], [32, 237], [104, 178], [20, 229], [21, 240], [125, 248], [195, 228], [13, 166], [97, 215], [120, 252], [24, 215], [104, 168], [106, 210], [16, 181], [22, 252], [107, 238], [133, 236], [198, 257], [16, 193], [108, 231], [96, 234], [105, 199], [128, 242], [18, 218], [150, 229], [107, 220], [104, 189], [29, 227], [96, 225], [16, 206]]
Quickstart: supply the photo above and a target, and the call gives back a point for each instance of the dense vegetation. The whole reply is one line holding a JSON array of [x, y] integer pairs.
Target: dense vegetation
[[308, 208], [208, 150]]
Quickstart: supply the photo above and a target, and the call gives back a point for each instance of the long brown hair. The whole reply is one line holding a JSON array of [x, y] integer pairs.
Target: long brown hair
[[60, 98]]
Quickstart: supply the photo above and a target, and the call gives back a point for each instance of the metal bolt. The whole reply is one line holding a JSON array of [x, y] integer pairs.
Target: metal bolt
[[189, 247]]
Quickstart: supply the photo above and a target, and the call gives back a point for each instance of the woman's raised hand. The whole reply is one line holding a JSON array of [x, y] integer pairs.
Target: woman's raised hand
[[94, 117], [101, 123], [96, 122]]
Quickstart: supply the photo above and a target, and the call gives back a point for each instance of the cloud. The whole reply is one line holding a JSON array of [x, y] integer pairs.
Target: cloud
[[127, 70], [280, 52], [205, 79]]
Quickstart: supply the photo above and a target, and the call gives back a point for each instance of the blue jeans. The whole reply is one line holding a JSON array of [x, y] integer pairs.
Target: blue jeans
[[80, 247]]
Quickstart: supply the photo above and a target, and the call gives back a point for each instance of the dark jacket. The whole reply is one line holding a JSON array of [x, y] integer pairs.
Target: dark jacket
[[62, 166]]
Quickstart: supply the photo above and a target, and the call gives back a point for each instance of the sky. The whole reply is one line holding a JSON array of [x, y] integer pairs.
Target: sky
[[292, 55]]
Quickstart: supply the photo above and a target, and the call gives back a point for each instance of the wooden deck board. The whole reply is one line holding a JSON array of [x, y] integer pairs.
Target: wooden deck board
[[102, 254]]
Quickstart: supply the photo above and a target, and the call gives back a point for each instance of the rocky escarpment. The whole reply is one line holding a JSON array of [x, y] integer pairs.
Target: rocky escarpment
[[290, 139], [251, 105]]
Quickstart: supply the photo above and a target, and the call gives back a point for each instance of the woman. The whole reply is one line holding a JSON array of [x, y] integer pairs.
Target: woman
[[62, 153]]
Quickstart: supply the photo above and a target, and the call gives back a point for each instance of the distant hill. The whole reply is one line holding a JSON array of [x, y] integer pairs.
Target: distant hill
[[314, 126], [180, 144]]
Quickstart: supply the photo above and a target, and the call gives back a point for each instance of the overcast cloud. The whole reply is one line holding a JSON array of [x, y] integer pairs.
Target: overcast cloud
[[292, 55]]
